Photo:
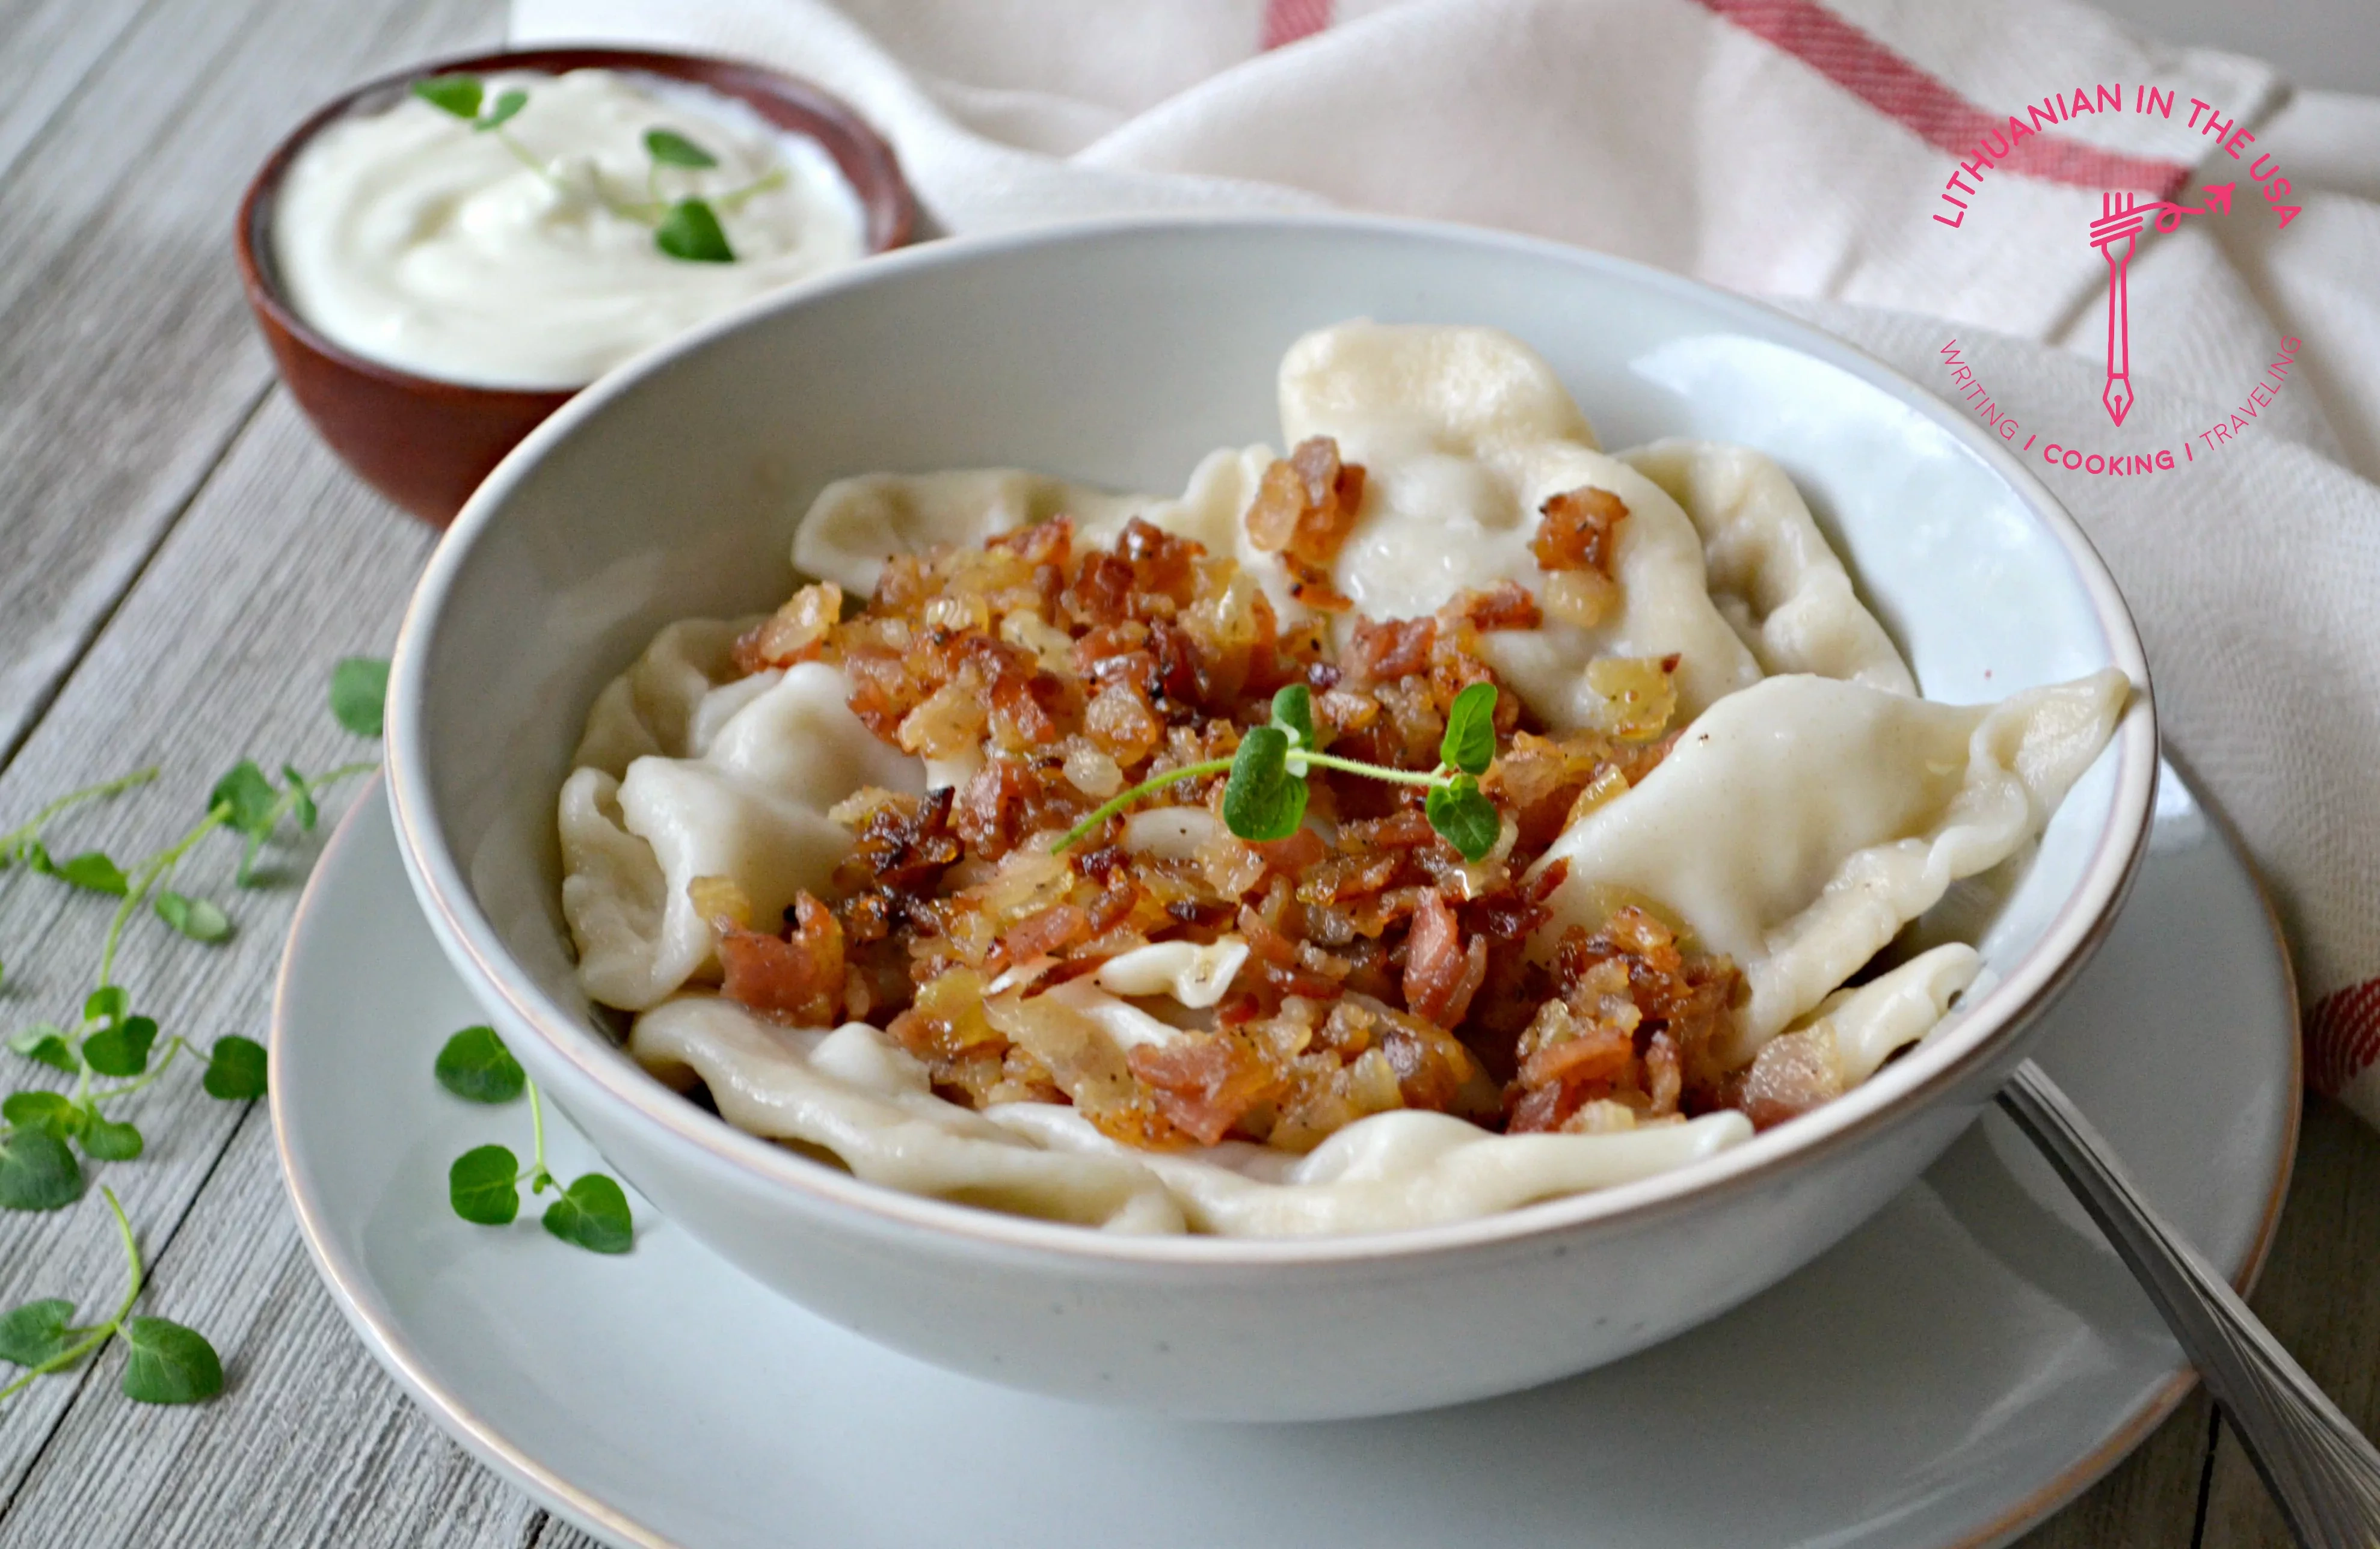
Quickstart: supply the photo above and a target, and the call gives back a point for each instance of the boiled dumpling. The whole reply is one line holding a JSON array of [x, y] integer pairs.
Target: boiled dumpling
[[1798, 824], [1464, 434], [745, 800], [850, 1092], [854, 524], [1772, 575]]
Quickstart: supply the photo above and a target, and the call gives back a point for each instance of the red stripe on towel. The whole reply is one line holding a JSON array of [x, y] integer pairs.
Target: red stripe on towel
[[1928, 107], [2342, 1037], [1285, 21]]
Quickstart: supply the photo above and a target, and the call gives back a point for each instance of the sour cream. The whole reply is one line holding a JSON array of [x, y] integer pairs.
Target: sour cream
[[412, 239]]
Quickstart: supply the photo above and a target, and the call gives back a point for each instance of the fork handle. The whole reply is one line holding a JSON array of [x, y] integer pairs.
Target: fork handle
[[2321, 1471]]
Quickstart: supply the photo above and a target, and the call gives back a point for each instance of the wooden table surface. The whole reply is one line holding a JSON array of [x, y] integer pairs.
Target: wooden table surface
[[180, 563]]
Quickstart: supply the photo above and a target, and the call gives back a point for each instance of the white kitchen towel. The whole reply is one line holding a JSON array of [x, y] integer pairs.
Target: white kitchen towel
[[1922, 178]]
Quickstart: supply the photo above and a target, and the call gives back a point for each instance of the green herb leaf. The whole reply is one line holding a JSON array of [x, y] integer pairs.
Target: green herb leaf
[[121, 1048], [37, 1333], [301, 798], [507, 106], [359, 694], [105, 1004], [484, 1186], [247, 797], [37, 1172], [235, 1070], [108, 1140], [170, 1364], [1464, 817], [476, 1066], [94, 870], [1293, 711], [674, 150], [1261, 798], [49, 1113], [36, 858], [456, 94], [1470, 741], [593, 1214], [46, 1043], [691, 231], [194, 917]]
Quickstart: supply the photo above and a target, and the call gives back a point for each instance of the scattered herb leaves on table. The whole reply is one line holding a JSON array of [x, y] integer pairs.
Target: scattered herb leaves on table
[[109, 1042], [483, 1185], [169, 1364]]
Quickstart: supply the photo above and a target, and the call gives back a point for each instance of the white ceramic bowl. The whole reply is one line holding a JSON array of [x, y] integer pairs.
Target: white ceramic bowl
[[1118, 353]]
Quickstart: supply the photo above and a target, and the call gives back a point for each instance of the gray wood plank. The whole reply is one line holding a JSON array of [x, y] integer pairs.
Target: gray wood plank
[[126, 358], [47, 48], [2321, 1296], [309, 1445], [221, 652]]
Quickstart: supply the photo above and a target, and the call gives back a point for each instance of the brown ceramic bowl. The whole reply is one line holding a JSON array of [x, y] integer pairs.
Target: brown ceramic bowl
[[426, 443]]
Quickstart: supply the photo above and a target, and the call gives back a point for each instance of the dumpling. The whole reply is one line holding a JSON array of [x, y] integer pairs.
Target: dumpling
[[852, 1092], [745, 799], [855, 525], [1464, 434], [650, 707], [1406, 1168], [1798, 824], [1772, 575]]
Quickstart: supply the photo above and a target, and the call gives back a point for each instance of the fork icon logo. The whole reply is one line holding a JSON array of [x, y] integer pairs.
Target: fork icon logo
[[2117, 235]]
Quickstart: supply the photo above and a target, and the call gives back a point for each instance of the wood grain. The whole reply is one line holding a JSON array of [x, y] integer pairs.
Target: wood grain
[[128, 361], [221, 652]]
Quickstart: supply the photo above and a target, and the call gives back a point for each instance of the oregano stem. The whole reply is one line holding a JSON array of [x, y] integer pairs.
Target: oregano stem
[[32, 827], [1435, 778], [101, 1332], [539, 1177], [145, 877], [1115, 804]]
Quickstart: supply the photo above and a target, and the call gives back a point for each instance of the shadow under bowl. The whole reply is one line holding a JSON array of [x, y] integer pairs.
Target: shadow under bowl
[[426, 442]]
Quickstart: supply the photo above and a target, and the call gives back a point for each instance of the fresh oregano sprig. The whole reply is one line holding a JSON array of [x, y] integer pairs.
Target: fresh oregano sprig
[[484, 1184], [169, 1364], [1265, 794], [685, 229]]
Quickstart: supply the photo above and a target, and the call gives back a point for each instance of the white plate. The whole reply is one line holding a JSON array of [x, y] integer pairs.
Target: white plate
[[1951, 1372]]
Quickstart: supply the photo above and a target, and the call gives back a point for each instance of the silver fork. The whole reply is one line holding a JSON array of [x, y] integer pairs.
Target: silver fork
[[2321, 1471]]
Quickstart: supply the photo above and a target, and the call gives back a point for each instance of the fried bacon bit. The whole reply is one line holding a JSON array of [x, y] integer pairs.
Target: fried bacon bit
[[1305, 508], [1506, 605], [1393, 649], [796, 631], [1441, 974], [1580, 531], [797, 981], [1203, 1085], [1633, 1024]]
